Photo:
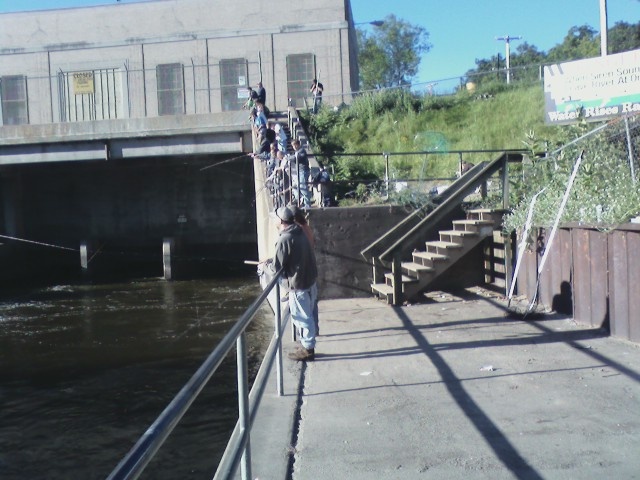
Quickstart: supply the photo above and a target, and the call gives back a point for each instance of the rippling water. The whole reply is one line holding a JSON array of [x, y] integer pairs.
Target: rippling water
[[85, 369]]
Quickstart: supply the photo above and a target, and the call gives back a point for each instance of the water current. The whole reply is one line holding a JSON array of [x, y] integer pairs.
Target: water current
[[85, 369]]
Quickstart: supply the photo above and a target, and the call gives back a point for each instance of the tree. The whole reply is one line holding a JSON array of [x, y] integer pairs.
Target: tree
[[581, 42], [390, 55], [624, 37]]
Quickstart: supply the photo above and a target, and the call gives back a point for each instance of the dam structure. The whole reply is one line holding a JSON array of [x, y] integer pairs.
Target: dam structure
[[122, 128]]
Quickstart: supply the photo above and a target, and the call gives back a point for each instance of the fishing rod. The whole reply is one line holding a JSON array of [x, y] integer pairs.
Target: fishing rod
[[225, 161]]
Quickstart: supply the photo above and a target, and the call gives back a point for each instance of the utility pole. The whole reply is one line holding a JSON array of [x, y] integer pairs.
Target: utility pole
[[603, 28], [506, 39]]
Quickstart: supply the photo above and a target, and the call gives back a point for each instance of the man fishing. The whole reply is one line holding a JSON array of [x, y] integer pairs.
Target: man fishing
[[295, 256]]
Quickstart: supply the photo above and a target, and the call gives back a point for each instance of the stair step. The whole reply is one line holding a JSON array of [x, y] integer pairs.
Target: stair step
[[430, 256], [417, 268], [405, 279], [383, 290], [487, 210], [474, 224], [444, 245], [486, 214], [458, 233]]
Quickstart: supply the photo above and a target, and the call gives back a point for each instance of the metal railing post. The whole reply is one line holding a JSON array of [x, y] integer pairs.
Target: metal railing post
[[290, 187], [386, 172], [298, 203], [505, 183], [396, 269], [244, 418], [193, 76], [278, 319], [630, 150]]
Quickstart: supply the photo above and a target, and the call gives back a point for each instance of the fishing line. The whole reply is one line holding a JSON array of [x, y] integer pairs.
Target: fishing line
[[225, 161], [39, 243], [96, 252]]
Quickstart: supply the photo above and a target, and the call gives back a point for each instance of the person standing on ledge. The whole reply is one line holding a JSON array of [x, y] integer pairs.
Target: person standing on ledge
[[301, 160], [262, 94], [295, 256], [316, 90]]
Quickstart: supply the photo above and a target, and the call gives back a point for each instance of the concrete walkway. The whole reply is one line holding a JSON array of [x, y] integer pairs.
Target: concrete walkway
[[452, 388]]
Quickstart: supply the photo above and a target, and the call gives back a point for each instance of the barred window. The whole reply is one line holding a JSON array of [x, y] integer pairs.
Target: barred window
[[301, 70], [171, 99], [91, 95], [233, 83], [13, 91]]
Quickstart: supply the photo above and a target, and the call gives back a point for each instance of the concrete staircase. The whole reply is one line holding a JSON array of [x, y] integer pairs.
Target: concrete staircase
[[427, 265]]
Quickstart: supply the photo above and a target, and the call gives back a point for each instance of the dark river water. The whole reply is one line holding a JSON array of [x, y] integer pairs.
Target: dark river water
[[85, 369]]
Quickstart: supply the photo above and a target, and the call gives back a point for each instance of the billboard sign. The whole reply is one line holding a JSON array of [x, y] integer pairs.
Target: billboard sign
[[594, 89]]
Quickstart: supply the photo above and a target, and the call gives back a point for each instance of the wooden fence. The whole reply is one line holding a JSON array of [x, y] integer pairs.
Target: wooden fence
[[590, 273]]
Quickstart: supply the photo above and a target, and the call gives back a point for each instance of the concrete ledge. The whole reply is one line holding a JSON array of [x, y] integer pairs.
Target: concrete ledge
[[102, 130]]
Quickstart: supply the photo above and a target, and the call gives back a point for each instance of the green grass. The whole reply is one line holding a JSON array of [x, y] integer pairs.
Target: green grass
[[398, 121], [496, 117]]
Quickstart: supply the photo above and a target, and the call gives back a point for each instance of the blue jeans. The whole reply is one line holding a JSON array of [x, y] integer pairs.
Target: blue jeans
[[301, 305], [303, 177]]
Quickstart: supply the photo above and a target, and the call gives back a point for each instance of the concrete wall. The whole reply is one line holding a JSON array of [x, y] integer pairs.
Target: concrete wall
[[341, 233]]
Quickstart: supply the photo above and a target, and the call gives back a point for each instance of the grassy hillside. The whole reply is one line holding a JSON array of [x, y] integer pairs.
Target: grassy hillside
[[498, 117], [495, 118]]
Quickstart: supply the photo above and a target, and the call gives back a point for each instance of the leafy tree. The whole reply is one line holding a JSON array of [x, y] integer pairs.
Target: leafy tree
[[624, 37], [390, 55], [581, 42], [527, 54], [484, 65], [525, 61]]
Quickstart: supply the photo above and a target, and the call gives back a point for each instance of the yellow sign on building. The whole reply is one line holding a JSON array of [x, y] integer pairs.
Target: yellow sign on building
[[83, 83]]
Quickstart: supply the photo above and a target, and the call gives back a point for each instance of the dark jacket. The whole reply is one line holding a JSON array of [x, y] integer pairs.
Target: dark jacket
[[294, 253], [261, 95], [301, 156]]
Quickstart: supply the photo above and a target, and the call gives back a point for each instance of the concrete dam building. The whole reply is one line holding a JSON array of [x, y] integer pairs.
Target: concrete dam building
[[113, 120]]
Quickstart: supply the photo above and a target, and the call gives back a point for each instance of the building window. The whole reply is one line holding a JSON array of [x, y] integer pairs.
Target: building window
[[233, 83], [91, 95], [170, 89], [13, 91], [301, 70]]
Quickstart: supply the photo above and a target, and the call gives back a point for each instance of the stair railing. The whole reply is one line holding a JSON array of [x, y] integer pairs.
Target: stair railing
[[382, 243], [423, 222]]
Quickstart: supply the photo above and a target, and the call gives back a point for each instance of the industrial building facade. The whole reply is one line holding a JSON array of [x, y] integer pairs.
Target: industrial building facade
[[171, 57]]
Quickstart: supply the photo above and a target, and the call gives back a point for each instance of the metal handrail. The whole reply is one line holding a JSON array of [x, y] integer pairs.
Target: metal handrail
[[133, 464], [390, 237], [468, 183]]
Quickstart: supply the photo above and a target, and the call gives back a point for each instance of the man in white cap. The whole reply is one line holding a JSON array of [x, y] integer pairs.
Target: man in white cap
[[295, 256]]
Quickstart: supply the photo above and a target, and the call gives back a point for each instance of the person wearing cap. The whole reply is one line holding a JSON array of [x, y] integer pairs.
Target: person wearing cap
[[295, 256]]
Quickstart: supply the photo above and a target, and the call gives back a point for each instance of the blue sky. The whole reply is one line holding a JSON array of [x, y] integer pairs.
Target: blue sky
[[460, 31]]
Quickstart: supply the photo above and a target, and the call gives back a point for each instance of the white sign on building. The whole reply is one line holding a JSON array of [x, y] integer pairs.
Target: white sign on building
[[594, 89]]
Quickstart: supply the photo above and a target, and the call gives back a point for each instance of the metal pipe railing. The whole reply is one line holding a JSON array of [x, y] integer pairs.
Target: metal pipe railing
[[133, 464]]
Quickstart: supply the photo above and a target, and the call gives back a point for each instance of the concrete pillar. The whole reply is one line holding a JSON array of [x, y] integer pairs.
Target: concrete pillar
[[85, 256], [12, 202], [168, 247]]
